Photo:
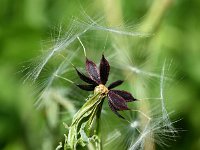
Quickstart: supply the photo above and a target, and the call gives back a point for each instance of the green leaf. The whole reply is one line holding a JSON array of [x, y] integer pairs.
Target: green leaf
[[83, 122]]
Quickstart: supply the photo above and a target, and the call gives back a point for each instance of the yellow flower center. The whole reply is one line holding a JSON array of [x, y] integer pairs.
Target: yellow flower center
[[101, 89]]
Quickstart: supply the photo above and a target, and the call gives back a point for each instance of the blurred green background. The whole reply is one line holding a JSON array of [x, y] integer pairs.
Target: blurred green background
[[25, 24]]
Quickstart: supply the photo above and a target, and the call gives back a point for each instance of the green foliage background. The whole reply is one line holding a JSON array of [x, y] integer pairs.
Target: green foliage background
[[24, 24]]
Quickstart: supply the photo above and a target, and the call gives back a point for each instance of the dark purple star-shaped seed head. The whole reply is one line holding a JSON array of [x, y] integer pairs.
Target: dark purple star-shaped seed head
[[97, 79]]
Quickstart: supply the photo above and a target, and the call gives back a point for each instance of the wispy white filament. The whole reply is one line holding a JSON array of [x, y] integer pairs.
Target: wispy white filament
[[82, 46]]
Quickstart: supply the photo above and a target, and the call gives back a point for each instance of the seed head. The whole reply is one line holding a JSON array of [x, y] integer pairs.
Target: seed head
[[97, 80]]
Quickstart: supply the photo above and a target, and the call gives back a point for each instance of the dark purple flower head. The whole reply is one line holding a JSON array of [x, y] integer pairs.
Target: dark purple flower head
[[97, 79]]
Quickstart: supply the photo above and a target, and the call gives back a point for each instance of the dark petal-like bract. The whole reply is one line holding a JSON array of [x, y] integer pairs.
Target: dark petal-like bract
[[85, 78], [104, 70], [115, 84], [86, 87], [92, 71], [114, 110], [126, 95], [117, 101]]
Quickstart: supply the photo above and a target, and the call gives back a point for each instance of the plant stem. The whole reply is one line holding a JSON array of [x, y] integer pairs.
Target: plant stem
[[98, 127]]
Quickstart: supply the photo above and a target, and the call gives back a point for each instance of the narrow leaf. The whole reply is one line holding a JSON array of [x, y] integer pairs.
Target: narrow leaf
[[114, 110], [124, 94], [115, 84], [92, 71], [85, 78], [117, 101], [86, 87], [104, 70]]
